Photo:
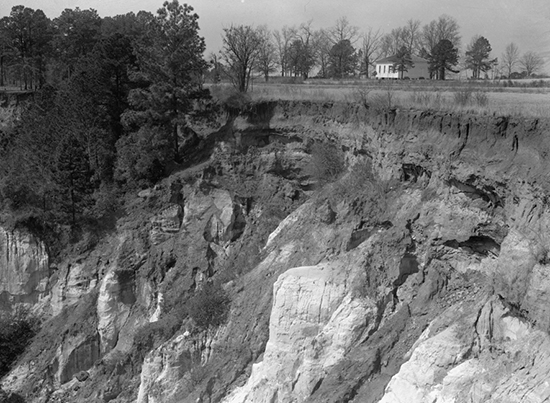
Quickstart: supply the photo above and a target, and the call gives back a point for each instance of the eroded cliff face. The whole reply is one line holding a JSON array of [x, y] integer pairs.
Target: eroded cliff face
[[24, 270], [419, 274]]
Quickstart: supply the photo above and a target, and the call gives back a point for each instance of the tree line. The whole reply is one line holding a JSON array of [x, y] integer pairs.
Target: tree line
[[35, 50], [344, 51]]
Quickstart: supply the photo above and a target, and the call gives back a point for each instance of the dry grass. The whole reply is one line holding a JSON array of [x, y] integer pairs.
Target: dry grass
[[485, 98]]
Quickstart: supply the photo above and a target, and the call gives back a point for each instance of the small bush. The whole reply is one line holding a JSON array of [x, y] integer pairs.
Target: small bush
[[463, 97], [361, 188], [481, 98], [107, 201], [209, 306], [361, 95], [143, 155], [544, 257], [327, 162], [385, 101], [232, 101], [236, 103], [16, 332]]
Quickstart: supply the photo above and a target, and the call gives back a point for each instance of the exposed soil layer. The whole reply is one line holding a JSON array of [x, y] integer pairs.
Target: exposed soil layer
[[435, 229]]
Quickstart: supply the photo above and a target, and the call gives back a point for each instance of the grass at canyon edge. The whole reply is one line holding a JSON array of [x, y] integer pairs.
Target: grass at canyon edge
[[504, 98]]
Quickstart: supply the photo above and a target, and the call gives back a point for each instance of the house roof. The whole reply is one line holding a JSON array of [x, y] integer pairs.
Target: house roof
[[393, 59]]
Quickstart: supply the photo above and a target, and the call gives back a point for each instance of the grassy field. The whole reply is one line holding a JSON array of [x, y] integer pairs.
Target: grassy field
[[505, 97], [522, 97]]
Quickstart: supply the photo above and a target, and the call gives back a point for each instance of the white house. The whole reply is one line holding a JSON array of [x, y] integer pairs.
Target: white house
[[385, 68]]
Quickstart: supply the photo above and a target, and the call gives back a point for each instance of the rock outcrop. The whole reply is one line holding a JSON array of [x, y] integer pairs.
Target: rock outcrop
[[24, 269], [314, 322], [489, 355]]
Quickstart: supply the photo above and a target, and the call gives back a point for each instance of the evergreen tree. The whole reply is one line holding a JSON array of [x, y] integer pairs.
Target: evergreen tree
[[27, 34], [111, 60], [404, 61], [302, 54], [73, 175], [343, 59], [443, 57], [477, 56], [77, 31], [5, 49], [171, 66]]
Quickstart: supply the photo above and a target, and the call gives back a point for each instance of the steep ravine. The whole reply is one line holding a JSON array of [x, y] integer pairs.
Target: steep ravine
[[420, 274]]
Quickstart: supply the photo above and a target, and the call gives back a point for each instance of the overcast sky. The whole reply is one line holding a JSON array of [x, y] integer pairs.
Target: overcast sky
[[525, 22]]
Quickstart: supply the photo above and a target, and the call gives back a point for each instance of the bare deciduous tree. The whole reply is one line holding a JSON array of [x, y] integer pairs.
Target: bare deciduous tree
[[303, 50], [531, 62], [369, 46], [343, 31], [448, 28], [410, 35], [324, 44], [267, 57], [397, 43], [241, 48], [284, 39], [510, 58], [392, 42], [445, 27], [386, 46]]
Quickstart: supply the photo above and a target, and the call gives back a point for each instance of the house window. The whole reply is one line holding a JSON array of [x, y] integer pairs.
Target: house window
[[384, 68]]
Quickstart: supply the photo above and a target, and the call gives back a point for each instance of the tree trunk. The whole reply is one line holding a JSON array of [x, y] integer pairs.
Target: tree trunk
[[73, 202], [242, 80], [175, 130], [176, 144]]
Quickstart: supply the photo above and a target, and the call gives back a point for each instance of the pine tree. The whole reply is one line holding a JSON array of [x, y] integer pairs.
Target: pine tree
[[343, 59], [404, 61], [171, 65], [477, 56], [73, 175], [443, 57]]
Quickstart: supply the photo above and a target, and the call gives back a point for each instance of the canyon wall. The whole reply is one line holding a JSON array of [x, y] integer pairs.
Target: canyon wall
[[418, 273]]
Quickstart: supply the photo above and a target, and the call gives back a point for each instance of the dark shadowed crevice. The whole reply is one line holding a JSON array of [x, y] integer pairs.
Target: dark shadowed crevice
[[412, 172], [407, 266], [486, 193], [479, 245]]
